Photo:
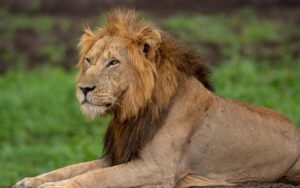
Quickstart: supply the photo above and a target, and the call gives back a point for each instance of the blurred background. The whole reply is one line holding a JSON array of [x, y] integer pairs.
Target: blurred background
[[253, 47]]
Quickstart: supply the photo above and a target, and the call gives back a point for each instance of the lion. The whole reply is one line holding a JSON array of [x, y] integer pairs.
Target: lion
[[168, 128]]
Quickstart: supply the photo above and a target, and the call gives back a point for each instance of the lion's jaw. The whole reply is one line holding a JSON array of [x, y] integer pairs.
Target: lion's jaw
[[93, 111], [103, 99]]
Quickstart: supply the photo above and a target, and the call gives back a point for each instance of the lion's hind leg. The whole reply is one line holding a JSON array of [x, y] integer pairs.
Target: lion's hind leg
[[195, 180]]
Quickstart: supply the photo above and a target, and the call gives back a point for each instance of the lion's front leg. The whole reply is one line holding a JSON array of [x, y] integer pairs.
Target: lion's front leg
[[61, 174], [133, 174], [61, 184]]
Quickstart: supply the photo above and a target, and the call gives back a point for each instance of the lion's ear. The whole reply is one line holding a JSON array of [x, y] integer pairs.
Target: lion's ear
[[149, 40]]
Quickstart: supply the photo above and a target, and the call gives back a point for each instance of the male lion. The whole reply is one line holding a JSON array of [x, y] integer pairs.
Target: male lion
[[168, 128]]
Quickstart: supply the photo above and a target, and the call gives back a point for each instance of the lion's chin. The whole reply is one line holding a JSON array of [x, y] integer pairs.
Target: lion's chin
[[92, 111]]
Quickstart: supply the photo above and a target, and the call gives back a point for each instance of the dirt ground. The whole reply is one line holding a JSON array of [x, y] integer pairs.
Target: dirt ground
[[259, 185]]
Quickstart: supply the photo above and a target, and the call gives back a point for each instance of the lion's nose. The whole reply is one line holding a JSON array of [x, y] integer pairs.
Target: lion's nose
[[85, 90]]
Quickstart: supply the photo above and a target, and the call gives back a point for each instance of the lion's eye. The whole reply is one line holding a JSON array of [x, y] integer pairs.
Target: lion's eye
[[113, 63], [88, 60]]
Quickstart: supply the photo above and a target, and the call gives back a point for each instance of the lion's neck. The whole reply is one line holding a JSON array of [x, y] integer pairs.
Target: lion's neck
[[124, 139]]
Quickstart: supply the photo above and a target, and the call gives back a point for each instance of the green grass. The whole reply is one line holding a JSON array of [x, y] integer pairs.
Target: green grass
[[42, 127]]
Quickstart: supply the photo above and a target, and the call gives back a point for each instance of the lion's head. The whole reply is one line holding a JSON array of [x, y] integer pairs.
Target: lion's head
[[117, 66], [124, 66]]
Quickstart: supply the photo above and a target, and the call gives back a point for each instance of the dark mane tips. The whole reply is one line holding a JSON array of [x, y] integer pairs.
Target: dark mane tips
[[187, 60], [194, 65]]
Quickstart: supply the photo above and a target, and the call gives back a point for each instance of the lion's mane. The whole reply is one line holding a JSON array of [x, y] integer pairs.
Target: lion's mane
[[159, 79]]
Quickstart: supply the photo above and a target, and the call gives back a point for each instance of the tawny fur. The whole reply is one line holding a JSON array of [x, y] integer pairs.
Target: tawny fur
[[168, 129]]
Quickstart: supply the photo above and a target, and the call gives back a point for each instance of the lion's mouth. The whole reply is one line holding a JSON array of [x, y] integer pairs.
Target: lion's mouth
[[107, 104]]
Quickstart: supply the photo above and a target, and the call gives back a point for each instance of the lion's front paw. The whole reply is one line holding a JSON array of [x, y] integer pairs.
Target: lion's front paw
[[61, 184], [29, 183]]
